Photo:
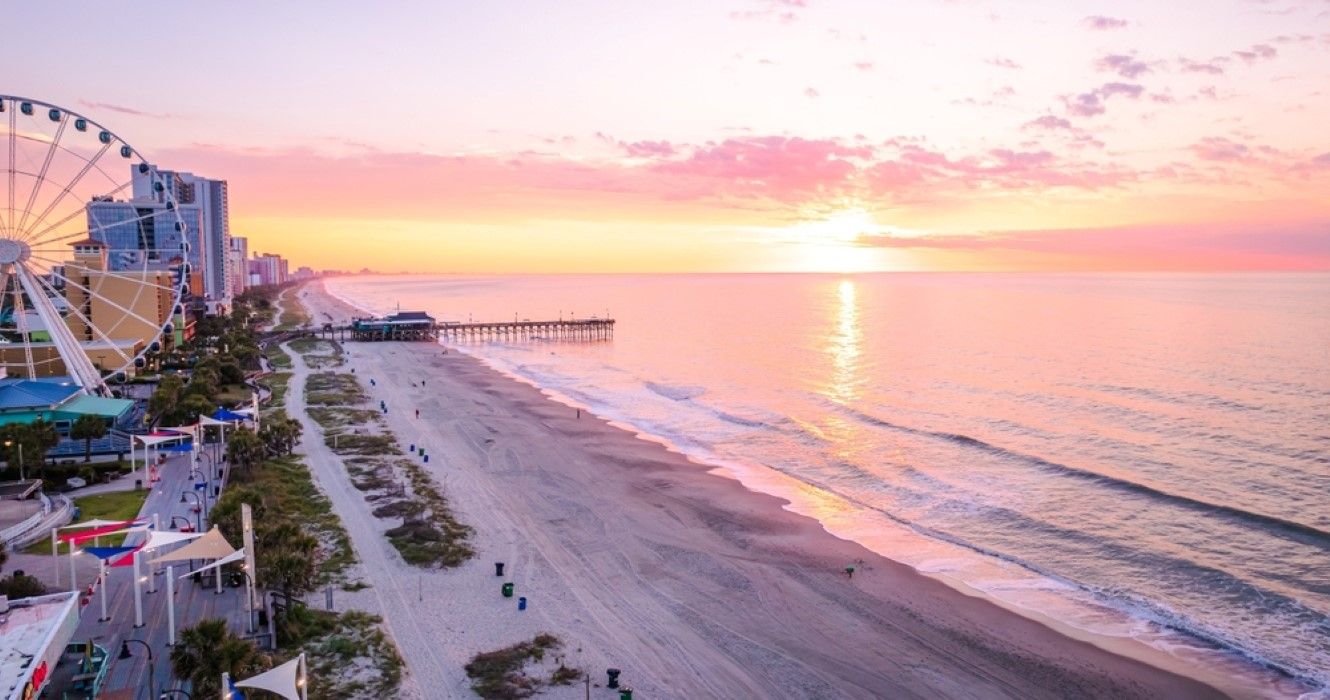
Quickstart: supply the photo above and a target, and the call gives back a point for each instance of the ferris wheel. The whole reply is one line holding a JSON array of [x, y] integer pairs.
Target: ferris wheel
[[95, 253]]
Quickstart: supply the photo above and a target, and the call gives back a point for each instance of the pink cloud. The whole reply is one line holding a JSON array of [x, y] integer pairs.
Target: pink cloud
[[648, 149], [780, 10], [1256, 53], [811, 93], [920, 171], [865, 66], [1002, 62], [1124, 65], [119, 109], [1092, 103], [1211, 67], [1102, 23], [1303, 245], [1047, 121], [1219, 148], [773, 166]]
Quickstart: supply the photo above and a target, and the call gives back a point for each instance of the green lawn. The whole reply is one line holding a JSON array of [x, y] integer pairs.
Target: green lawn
[[232, 394], [117, 505]]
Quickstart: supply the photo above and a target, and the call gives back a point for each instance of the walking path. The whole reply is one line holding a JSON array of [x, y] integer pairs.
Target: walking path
[[395, 587]]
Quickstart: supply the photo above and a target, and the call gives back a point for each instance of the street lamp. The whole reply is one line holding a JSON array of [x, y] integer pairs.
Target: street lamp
[[10, 443], [152, 665], [212, 464], [198, 506], [249, 599]]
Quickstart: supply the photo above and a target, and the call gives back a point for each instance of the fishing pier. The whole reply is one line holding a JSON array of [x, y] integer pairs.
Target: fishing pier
[[419, 326]]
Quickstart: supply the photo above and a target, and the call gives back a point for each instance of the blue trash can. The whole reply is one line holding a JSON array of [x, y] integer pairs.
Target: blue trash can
[[521, 603], [426, 459]]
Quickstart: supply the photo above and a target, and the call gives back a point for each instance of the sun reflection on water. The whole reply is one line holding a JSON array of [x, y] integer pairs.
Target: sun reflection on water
[[846, 345]]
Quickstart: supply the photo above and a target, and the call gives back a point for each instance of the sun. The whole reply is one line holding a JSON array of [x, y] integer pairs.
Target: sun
[[845, 226]]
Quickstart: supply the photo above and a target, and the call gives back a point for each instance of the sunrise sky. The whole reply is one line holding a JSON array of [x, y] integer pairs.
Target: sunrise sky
[[710, 135]]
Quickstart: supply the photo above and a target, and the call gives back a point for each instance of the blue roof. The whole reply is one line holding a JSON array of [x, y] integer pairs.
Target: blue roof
[[18, 393]]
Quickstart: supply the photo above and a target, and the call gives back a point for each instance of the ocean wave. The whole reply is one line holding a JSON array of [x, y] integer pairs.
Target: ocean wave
[[681, 392], [1292, 529], [1275, 605], [1179, 397]]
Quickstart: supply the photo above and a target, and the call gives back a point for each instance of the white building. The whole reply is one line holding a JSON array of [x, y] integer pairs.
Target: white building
[[239, 261], [33, 635], [210, 197]]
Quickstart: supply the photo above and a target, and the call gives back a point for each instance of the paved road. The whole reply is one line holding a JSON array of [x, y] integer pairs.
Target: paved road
[[194, 602]]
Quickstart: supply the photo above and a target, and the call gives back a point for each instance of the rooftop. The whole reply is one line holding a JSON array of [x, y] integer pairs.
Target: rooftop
[[29, 630], [19, 393]]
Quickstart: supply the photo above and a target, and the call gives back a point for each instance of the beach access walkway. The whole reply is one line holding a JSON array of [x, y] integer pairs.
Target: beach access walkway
[[395, 588]]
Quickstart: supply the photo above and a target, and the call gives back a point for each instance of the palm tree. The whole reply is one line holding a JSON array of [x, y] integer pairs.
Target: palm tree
[[207, 650], [245, 449], [288, 559], [281, 435], [164, 398], [44, 439], [87, 428]]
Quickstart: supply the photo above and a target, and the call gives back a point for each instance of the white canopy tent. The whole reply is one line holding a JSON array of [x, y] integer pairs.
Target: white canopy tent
[[290, 680], [150, 441], [237, 555], [211, 545]]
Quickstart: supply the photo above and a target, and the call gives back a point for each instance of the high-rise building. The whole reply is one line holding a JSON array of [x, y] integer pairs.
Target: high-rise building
[[268, 268], [239, 261], [209, 197]]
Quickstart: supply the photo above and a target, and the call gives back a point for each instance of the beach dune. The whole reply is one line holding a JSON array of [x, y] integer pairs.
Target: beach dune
[[696, 587]]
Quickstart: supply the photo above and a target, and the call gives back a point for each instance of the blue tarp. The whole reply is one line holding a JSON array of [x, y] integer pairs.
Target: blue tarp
[[223, 414], [182, 447], [108, 552]]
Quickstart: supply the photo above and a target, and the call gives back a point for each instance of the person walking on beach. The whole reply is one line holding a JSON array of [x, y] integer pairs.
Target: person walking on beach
[[417, 413]]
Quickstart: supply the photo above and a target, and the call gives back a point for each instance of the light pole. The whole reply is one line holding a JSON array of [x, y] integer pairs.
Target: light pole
[[198, 507], [10, 443], [152, 665], [212, 464], [249, 599]]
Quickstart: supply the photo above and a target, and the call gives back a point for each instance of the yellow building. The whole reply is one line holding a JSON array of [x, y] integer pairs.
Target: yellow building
[[128, 308]]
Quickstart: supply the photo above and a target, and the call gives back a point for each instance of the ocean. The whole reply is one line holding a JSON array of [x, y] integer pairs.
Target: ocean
[[1133, 455]]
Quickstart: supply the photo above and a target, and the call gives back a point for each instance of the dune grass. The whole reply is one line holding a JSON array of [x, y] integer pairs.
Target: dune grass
[[501, 674]]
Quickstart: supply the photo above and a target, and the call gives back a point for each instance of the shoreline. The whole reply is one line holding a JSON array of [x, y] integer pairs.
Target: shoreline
[[964, 636]]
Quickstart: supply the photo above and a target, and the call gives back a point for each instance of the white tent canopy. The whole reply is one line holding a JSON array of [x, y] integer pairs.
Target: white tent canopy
[[285, 680], [237, 555], [161, 538], [209, 546], [151, 440]]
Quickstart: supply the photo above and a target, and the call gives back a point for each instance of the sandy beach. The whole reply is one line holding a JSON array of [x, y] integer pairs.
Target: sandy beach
[[643, 560]]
